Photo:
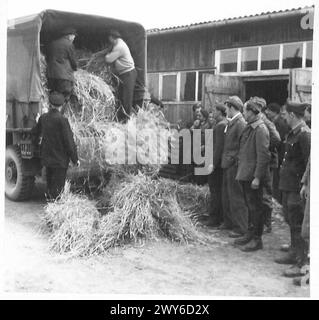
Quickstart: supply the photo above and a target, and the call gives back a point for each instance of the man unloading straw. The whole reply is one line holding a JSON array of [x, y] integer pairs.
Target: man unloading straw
[[123, 63], [62, 63]]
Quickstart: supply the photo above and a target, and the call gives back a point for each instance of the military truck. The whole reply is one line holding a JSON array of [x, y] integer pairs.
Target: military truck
[[27, 37]]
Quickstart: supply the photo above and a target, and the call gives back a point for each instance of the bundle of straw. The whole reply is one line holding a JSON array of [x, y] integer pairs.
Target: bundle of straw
[[99, 67], [72, 220], [137, 209], [145, 209], [95, 96], [126, 147], [192, 198]]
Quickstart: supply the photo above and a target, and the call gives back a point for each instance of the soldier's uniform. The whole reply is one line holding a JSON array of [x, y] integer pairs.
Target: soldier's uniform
[[297, 150]]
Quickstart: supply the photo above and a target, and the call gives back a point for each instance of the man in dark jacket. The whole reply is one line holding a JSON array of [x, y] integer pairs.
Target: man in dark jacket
[[253, 172], [215, 178], [234, 207], [297, 150], [273, 113], [57, 145], [274, 144], [62, 63]]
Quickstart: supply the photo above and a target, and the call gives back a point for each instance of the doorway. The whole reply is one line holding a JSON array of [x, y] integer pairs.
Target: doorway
[[270, 90]]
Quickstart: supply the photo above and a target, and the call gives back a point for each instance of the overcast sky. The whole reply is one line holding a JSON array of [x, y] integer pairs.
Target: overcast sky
[[156, 14]]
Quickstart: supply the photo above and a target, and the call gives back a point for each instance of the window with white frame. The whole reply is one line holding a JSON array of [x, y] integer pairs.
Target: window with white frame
[[169, 87], [270, 57], [249, 59], [292, 55], [183, 86], [228, 60], [187, 86], [267, 57]]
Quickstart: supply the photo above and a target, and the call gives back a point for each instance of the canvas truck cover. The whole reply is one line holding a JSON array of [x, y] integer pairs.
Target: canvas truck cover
[[28, 36]]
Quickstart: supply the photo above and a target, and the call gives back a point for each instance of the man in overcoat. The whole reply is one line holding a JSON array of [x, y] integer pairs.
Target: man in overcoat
[[235, 213], [273, 113], [297, 151], [57, 145], [61, 63], [215, 178], [253, 173]]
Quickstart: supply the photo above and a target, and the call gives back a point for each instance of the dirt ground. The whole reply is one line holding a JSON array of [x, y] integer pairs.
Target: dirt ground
[[156, 268]]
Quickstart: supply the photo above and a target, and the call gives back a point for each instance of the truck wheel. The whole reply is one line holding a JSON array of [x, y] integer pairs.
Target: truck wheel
[[18, 186]]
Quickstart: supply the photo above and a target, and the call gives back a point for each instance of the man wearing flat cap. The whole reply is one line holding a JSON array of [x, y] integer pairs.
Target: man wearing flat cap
[[253, 173], [235, 214], [62, 63], [57, 145], [297, 151]]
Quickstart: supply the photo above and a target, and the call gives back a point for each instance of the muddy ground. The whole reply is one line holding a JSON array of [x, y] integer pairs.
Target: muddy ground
[[156, 268]]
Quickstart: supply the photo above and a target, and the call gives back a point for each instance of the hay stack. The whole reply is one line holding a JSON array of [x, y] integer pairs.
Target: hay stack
[[140, 209], [145, 209], [72, 222]]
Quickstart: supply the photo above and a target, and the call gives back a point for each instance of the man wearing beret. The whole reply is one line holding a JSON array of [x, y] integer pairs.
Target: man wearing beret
[[62, 63], [253, 173], [297, 150], [235, 214], [57, 145]]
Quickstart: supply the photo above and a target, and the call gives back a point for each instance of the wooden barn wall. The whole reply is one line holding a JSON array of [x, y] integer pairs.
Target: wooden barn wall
[[194, 49]]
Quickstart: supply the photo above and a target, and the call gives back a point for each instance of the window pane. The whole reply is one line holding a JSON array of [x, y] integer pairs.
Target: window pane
[[249, 59], [188, 83], [200, 82], [169, 88], [292, 56], [309, 55], [228, 61], [270, 57], [153, 84]]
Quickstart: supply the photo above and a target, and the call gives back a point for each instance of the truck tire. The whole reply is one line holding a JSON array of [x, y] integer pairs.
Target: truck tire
[[18, 186]]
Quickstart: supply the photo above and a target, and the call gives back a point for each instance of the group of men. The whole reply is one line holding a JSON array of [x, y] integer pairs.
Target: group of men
[[260, 151]]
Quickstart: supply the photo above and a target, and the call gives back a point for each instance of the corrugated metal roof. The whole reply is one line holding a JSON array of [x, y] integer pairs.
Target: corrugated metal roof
[[228, 20]]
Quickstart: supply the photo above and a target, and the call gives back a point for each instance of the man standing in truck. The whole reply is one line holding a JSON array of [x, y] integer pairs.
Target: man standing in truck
[[62, 63], [57, 145], [121, 59]]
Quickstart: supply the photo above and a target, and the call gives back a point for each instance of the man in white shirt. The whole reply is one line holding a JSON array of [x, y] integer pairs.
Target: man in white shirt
[[123, 63]]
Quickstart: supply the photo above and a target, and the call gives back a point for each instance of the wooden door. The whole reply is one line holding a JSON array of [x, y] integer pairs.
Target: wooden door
[[300, 85], [217, 88]]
